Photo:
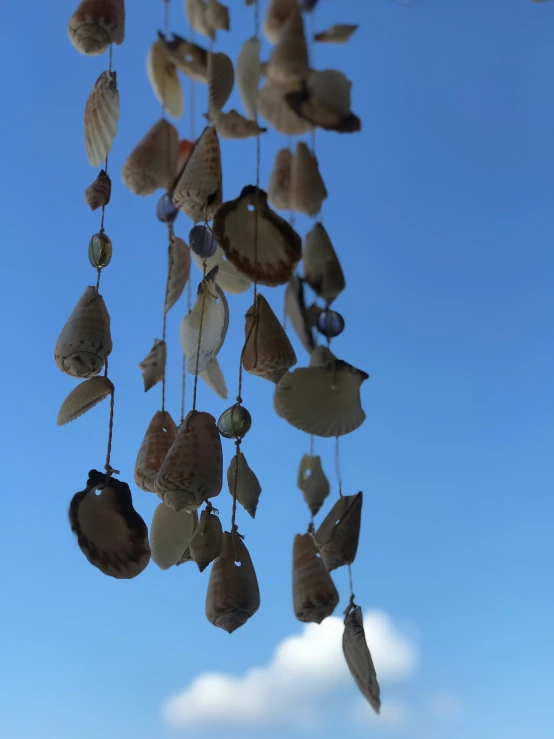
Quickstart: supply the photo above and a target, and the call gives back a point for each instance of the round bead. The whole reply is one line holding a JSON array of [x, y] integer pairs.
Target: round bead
[[100, 250], [330, 323], [202, 242], [166, 210], [235, 422]]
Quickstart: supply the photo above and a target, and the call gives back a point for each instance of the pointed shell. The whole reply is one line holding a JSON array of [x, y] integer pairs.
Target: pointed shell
[[358, 657], [274, 108], [298, 314], [96, 24], [151, 164], [289, 59], [322, 269], [248, 75], [101, 117], [162, 75], [221, 78], [179, 271], [232, 125], [246, 484], [276, 14], [278, 191], [307, 191], [324, 101], [207, 541], [153, 365], [339, 533], [98, 194], [198, 190], [228, 277], [84, 397], [312, 482], [212, 375], [340, 33], [267, 351], [170, 535], [217, 15], [159, 437], [189, 57], [313, 591]]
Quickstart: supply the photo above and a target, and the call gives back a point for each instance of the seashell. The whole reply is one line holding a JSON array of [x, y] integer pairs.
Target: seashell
[[85, 341], [248, 75], [214, 379], [289, 59], [185, 150], [193, 468], [245, 483], [233, 595], [84, 397], [151, 164], [312, 482], [198, 190], [227, 277], [159, 436], [221, 78], [170, 535], [211, 311], [197, 16], [313, 592], [358, 657], [278, 245], [217, 15], [267, 351], [101, 117], [297, 313], [179, 271], [98, 194], [322, 270], [322, 400], [190, 58], [324, 101], [162, 75], [153, 365], [340, 33], [207, 541], [276, 14], [96, 24], [307, 190], [232, 125], [278, 191], [110, 533], [273, 106], [339, 533], [187, 556]]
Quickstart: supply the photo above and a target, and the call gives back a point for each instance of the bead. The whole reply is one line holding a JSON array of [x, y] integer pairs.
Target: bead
[[330, 323], [100, 250], [235, 422], [202, 242], [166, 210]]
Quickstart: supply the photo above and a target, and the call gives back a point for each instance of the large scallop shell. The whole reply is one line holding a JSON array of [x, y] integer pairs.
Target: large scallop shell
[[214, 379], [358, 657], [301, 318], [322, 269], [232, 125], [276, 14], [84, 397], [196, 12], [340, 33], [198, 190], [278, 191], [248, 75], [101, 117], [96, 24], [324, 101], [153, 365], [170, 535], [275, 109], [339, 533], [289, 59], [312, 482], [267, 352], [159, 436], [221, 78], [151, 164], [227, 277], [244, 482], [313, 592], [179, 271], [187, 56], [98, 194], [163, 78], [207, 541], [307, 190]]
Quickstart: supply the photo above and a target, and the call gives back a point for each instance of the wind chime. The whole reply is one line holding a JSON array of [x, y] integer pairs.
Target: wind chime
[[237, 244]]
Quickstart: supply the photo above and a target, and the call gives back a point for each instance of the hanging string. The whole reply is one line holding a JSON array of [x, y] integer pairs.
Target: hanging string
[[109, 469], [103, 211], [337, 465]]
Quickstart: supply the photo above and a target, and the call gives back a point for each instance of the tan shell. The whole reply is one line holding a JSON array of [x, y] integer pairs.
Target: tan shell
[[246, 484], [312, 482], [221, 78], [189, 57], [340, 33], [339, 533], [193, 468], [324, 101], [313, 592], [170, 535], [217, 15], [207, 541], [101, 117], [278, 191], [163, 78], [84, 397], [274, 108], [228, 277], [110, 533], [289, 59], [248, 75], [300, 317], [151, 164], [307, 191], [267, 352], [322, 269], [278, 247], [96, 24], [358, 657], [196, 13], [85, 341], [233, 595], [187, 556], [98, 194], [153, 365], [232, 125], [276, 14], [179, 271], [159, 437], [198, 191], [212, 375]]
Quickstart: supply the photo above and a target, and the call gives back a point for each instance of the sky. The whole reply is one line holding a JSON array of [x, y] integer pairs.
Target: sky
[[441, 212]]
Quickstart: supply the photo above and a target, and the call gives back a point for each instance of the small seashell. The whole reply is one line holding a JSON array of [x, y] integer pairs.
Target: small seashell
[[170, 535], [162, 75], [227, 277], [312, 482], [245, 484], [153, 365], [96, 24], [322, 270], [232, 125], [358, 657], [207, 541], [98, 194], [307, 190], [340, 33], [110, 533], [267, 351], [339, 533], [248, 75], [276, 14], [221, 78], [196, 12], [198, 190], [151, 164], [233, 595], [324, 101], [278, 191], [159, 437], [179, 271], [289, 59], [84, 397], [298, 315], [313, 592], [217, 15], [101, 117], [190, 58], [274, 107], [214, 379], [187, 556]]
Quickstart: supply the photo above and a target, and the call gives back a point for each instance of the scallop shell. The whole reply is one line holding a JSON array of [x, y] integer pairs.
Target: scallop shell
[[214, 379], [339, 533], [179, 271], [340, 33], [267, 351], [227, 277], [221, 78], [101, 117], [358, 657], [313, 592], [297, 313], [207, 541], [324, 101], [163, 78], [193, 468], [322, 270], [312, 482], [151, 164], [289, 59], [85, 341], [278, 244], [170, 535], [110, 533], [278, 191], [189, 57], [159, 436], [273, 106], [232, 125], [84, 397], [246, 484], [248, 75], [98, 194], [198, 190], [276, 14], [307, 191], [196, 13], [233, 595], [153, 365], [217, 15], [96, 24]]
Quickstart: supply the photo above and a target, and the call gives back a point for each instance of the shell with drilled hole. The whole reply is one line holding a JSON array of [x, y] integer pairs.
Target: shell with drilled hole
[[101, 118], [338, 535], [96, 24], [170, 535], [151, 164], [358, 657], [267, 352], [159, 436], [322, 269], [207, 541], [307, 189], [314, 594], [246, 484], [153, 365], [187, 56], [198, 190], [313, 482]]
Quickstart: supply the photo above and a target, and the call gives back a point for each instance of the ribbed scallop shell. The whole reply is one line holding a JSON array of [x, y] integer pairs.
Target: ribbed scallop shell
[[96, 24], [340, 33], [358, 657], [228, 277], [101, 117], [307, 191], [153, 365], [84, 397], [196, 13], [190, 58], [312, 482], [322, 269], [339, 533], [288, 61], [248, 73], [232, 125], [324, 101], [221, 78], [198, 190], [98, 194], [151, 165], [274, 108], [299, 316], [179, 271], [212, 375], [170, 535], [163, 78], [207, 541], [276, 14], [268, 352], [278, 191], [159, 436], [217, 15], [248, 488], [314, 594]]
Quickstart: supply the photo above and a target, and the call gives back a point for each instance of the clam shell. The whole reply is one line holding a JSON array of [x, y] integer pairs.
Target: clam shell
[[267, 352], [98, 194], [96, 24], [313, 592], [248, 75], [246, 484], [324, 101], [221, 78], [232, 125], [198, 189], [170, 535], [233, 595], [196, 13], [278, 244], [85, 341], [307, 191], [84, 397], [339, 533], [179, 271], [159, 437], [358, 657], [322, 269], [217, 15], [189, 57], [162, 75], [274, 108], [289, 59], [227, 277], [110, 533], [151, 164], [312, 482], [278, 191], [298, 314], [101, 117], [153, 365], [207, 541], [276, 14], [214, 379], [340, 33]]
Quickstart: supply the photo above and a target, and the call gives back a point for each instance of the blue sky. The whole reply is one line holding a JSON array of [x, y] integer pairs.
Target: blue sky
[[441, 211]]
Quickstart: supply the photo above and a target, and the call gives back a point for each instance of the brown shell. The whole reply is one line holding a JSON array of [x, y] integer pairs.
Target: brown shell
[[96, 24], [267, 352], [307, 189], [198, 190], [221, 79], [98, 194], [217, 15], [187, 56], [153, 365], [274, 108], [312, 482], [339, 533], [313, 592], [159, 436], [232, 125], [101, 118], [322, 269], [207, 541], [299, 316], [289, 59], [246, 484], [278, 190], [275, 16], [358, 657], [151, 164], [179, 271]]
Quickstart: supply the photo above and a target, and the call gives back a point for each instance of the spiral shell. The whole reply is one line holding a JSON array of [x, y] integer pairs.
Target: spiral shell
[[96, 24], [312, 482]]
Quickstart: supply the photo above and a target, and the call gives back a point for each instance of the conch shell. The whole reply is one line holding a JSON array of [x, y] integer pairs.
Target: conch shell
[[358, 658], [151, 164], [207, 541], [267, 352], [312, 482], [159, 436], [98, 194], [337, 537], [313, 591], [241, 479], [198, 190], [101, 117], [96, 24]]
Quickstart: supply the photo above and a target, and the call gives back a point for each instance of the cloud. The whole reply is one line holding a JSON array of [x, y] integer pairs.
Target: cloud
[[305, 669], [394, 715], [445, 706]]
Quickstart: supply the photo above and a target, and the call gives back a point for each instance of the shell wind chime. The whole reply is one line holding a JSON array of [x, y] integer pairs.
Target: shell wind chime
[[239, 241]]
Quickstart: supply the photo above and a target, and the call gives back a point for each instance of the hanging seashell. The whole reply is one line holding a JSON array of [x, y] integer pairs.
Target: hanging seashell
[[300, 317], [185, 150], [340, 33], [159, 436], [170, 535], [190, 58], [235, 422], [207, 541], [193, 468], [162, 75], [221, 78], [153, 365], [267, 351], [179, 271], [85, 341], [272, 260], [324, 101], [217, 15], [187, 556], [273, 106], [233, 595], [312, 482], [322, 270], [307, 191], [198, 190], [278, 191], [289, 59], [323, 399], [358, 657], [227, 277], [96, 24], [339, 533], [313, 592], [213, 377], [98, 194], [101, 117], [197, 15], [84, 397], [276, 14], [248, 75], [151, 164], [110, 533], [233, 125], [245, 484]]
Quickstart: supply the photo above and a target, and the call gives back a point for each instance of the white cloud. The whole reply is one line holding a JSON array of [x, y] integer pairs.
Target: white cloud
[[290, 690], [445, 706], [394, 715]]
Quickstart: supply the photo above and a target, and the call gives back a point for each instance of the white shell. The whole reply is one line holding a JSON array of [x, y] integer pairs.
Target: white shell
[[248, 75], [162, 75], [214, 379], [358, 657], [189, 57], [228, 277], [179, 271], [170, 535], [101, 117], [84, 397], [248, 488], [153, 365], [312, 482]]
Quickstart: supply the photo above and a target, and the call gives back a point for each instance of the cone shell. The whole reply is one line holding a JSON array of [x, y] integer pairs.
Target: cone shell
[[151, 164], [96, 24], [207, 541], [339, 533], [322, 269], [110, 533], [85, 341], [247, 485], [289, 59], [196, 13], [308, 190], [198, 190], [232, 125], [193, 468], [221, 78], [248, 75], [159, 436], [101, 117], [190, 58], [217, 15], [313, 591], [228, 277], [297, 313], [212, 375], [170, 535], [233, 595], [162, 75], [278, 191], [340, 33], [84, 397], [358, 658], [267, 352], [276, 14], [98, 194], [274, 108], [179, 271], [324, 101], [153, 365], [312, 482], [278, 248]]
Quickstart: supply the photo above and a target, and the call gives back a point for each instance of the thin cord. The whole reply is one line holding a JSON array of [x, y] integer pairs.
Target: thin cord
[[337, 465], [236, 485], [184, 360], [109, 469]]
